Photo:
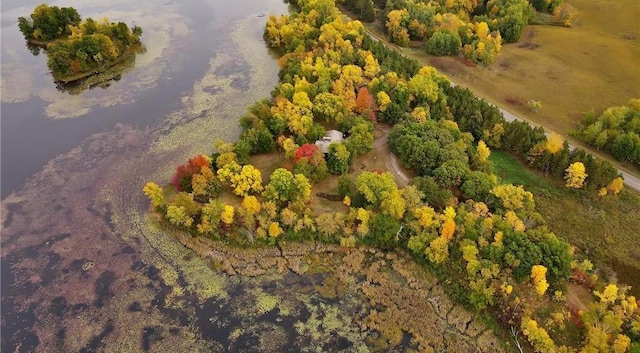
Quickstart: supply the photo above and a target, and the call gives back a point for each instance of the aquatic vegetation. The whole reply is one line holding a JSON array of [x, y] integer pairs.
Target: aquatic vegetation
[[264, 302]]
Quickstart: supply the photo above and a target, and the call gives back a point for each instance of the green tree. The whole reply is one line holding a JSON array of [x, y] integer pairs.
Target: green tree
[[338, 158], [478, 185], [285, 187], [444, 43], [451, 173]]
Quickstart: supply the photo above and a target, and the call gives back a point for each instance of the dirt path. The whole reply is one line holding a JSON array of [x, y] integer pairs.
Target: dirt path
[[381, 147]]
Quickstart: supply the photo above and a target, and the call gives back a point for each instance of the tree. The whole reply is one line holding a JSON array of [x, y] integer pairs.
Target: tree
[[514, 197], [424, 86], [177, 215], [361, 138], [444, 43], [329, 224], [438, 250], [483, 151], [393, 204], [538, 275], [338, 158], [383, 100], [366, 104], [329, 107], [376, 186], [575, 175], [451, 173], [538, 336], [205, 184], [615, 186], [306, 150], [383, 231], [275, 230], [397, 21], [155, 193], [251, 205], [371, 65], [210, 217], [49, 22], [227, 215], [284, 187], [554, 143], [182, 178], [478, 185], [243, 180]]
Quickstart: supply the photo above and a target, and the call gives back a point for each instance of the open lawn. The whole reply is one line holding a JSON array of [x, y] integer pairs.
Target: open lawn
[[604, 228]]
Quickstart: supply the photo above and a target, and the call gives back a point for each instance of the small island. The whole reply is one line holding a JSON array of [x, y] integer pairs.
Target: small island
[[75, 48]]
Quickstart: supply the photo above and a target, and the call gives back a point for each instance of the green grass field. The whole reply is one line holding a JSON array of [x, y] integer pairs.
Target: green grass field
[[606, 229]]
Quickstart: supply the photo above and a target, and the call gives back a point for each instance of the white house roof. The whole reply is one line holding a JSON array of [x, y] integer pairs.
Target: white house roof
[[332, 136]]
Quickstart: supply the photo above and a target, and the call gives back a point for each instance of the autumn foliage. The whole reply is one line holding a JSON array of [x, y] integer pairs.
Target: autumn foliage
[[306, 150], [366, 104], [182, 178]]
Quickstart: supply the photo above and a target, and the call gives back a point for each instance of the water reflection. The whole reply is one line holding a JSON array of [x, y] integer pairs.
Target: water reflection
[[105, 78]]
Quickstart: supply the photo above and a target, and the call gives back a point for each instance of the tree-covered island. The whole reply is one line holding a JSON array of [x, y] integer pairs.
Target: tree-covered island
[[77, 48]]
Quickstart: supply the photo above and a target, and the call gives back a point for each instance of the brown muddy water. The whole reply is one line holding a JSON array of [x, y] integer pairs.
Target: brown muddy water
[[84, 268]]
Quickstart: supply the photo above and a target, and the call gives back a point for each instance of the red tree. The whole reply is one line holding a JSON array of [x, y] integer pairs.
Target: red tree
[[182, 178], [365, 103], [306, 150]]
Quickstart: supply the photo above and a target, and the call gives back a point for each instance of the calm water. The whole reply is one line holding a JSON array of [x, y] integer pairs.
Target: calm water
[[81, 269]]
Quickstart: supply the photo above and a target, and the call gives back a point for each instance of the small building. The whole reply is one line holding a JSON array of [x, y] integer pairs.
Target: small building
[[332, 136]]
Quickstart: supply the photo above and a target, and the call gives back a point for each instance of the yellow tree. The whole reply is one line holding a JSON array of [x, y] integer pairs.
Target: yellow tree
[[554, 143], [251, 205], [210, 217], [621, 344], [514, 197], [615, 186], [538, 275], [243, 180], [371, 66], [423, 86], [575, 175], [448, 228], [438, 250], [155, 193], [425, 216], [288, 217], [483, 151], [275, 230], [393, 204], [396, 24], [383, 100], [227, 215], [363, 216], [537, 336]]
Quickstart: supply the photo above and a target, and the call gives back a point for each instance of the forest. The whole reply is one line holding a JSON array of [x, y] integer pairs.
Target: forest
[[456, 217], [75, 47]]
